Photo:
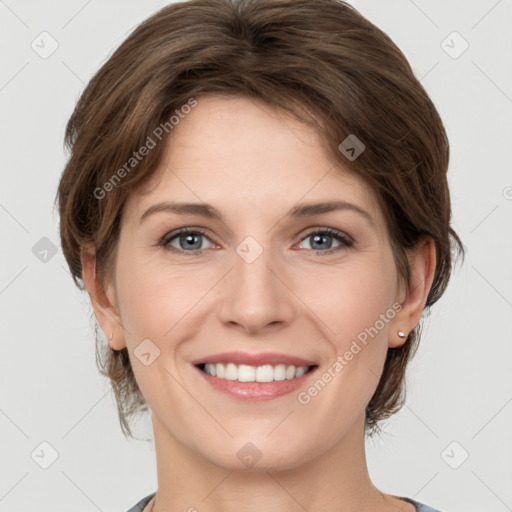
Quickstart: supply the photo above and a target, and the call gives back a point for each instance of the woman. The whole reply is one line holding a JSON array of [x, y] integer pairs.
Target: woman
[[256, 202]]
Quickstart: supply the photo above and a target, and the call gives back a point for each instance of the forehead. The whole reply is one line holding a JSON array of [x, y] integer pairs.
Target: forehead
[[240, 153]]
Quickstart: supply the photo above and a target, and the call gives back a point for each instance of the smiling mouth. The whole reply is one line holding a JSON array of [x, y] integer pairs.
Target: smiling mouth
[[247, 373]]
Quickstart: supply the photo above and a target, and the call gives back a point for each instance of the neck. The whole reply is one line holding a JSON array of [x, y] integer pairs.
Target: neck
[[189, 481]]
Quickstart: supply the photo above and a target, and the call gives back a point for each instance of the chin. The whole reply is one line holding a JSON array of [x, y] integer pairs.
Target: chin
[[246, 456]]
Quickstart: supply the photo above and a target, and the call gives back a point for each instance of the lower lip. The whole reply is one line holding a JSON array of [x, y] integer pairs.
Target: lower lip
[[256, 391]]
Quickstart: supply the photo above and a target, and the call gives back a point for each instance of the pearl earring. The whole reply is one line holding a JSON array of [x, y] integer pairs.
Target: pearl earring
[[402, 334]]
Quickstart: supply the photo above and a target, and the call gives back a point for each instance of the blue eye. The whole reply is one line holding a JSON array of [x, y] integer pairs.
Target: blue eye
[[187, 239], [320, 236], [190, 240]]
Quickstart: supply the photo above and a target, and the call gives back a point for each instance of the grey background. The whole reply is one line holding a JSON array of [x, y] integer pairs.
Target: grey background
[[460, 381]]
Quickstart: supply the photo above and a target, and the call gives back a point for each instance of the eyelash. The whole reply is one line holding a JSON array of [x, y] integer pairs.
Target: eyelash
[[345, 241]]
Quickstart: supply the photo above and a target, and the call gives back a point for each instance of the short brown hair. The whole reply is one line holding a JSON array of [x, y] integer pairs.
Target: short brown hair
[[321, 61]]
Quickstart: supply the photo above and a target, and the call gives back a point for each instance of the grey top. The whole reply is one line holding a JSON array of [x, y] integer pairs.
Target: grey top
[[420, 507]]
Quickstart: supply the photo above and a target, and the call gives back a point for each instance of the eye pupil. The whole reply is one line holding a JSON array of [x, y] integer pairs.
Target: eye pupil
[[320, 238], [190, 241]]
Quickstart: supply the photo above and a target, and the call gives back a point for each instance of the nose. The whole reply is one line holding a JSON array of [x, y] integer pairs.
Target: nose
[[257, 295]]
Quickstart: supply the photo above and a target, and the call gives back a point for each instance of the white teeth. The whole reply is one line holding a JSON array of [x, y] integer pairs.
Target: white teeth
[[246, 373], [301, 371], [280, 372], [231, 372], [265, 373]]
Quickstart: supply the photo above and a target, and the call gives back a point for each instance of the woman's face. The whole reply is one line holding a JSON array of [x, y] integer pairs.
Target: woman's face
[[257, 279]]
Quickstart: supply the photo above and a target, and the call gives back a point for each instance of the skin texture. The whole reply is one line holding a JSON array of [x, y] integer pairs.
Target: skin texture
[[254, 163]]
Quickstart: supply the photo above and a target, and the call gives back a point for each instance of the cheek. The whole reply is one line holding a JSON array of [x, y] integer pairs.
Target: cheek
[[153, 301], [352, 305], [351, 298], [153, 294], [354, 302], [144, 307]]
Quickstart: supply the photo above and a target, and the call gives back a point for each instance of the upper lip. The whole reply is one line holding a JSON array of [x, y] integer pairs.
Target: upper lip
[[260, 359]]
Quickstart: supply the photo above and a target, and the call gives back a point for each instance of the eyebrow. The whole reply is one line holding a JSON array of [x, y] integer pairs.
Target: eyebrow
[[299, 211]]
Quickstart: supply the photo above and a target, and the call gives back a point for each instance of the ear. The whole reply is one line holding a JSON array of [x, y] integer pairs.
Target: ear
[[103, 300], [422, 261]]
